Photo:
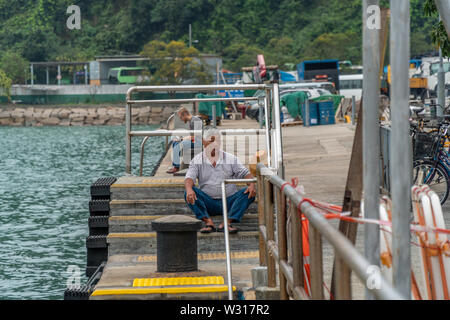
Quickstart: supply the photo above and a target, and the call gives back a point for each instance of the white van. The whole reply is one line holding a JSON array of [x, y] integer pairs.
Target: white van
[[308, 85], [351, 85]]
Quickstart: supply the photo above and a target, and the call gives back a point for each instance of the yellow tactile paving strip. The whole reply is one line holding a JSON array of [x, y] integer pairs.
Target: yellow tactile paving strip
[[126, 218], [178, 281], [127, 182], [148, 182], [132, 235], [209, 256], [145, 201], [164, 290]]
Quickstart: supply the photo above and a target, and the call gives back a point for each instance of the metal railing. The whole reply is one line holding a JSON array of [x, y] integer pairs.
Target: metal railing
[[182, 132], [273, 196], [272, 130], [226, 231]]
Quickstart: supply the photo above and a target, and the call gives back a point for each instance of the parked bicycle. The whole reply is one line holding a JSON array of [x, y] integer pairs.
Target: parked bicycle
[[431, 164]]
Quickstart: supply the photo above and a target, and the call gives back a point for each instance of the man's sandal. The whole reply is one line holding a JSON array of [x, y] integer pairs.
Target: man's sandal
[[231, 229], [208, 229]]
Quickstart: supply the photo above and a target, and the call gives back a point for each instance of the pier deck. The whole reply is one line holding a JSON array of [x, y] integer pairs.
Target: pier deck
[[318, 155]]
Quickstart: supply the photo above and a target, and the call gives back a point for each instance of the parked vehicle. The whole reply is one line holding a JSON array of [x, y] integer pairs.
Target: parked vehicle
[[126, 75], [423, 77], [351, 85], [319, 70]]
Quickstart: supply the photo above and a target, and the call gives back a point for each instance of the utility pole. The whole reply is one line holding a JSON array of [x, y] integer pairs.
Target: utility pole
[[441, 84], [400, 148], [371, 135], [190, 35]]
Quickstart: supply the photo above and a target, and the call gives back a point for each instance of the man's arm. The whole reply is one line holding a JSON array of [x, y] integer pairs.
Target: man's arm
[[251, 189], [189, 181], [190, 193]]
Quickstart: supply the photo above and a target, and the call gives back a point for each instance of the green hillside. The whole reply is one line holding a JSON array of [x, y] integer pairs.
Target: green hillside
[[286, 31]]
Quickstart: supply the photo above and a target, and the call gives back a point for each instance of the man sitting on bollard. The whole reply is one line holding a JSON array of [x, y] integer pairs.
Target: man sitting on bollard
[[211, 167], [188, 143]]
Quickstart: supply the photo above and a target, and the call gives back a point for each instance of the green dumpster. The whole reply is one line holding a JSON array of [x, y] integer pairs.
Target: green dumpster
[[206, 107]]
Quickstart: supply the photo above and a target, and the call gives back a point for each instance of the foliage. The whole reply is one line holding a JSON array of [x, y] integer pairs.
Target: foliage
[[439, 35], [174, 63], [5, 84], [15, 66], [335, 46], [286, 31]]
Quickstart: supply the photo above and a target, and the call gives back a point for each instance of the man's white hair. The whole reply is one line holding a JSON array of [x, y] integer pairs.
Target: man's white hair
[[211, 132]]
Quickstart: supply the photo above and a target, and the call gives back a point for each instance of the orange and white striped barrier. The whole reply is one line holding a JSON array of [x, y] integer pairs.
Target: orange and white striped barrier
[[434, 245]]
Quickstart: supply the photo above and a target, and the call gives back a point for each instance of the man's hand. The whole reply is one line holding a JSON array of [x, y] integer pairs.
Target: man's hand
[[191, 196], [251, 190]]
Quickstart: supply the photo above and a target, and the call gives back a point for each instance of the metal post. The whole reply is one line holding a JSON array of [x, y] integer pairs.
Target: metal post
[[214, 120], [59, 75], [270, 232], [441, 84], [32, 74], [443, 7], [371, 132], [353, 109], [277, 125], [268, 128], [307, 120], [86, 74], [128, 139], [227, 241], [282, 241], [47, 76], [261, 116], [261, 218], [400, 147], [190, 35]]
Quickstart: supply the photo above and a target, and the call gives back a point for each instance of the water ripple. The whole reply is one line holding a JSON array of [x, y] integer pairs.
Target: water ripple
[[45, 174]]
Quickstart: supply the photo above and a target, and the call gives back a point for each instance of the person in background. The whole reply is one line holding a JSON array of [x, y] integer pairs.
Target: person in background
[[211, 167], [187, 143]]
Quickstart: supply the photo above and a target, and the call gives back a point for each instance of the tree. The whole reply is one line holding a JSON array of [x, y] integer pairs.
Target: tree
[[174, 63], [439, 34], [342, 46], [5, 85], [240, 55], [15, 67]]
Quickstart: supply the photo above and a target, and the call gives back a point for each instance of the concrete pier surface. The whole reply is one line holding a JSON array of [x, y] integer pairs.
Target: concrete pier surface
[[318, 155]]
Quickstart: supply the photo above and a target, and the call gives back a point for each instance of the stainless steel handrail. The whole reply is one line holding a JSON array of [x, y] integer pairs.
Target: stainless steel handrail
[[141, 162], [344, 248], [205, 88], [182, 132], [225, 230], [167, 128], [200, 88], [168, 101], [185, 132]]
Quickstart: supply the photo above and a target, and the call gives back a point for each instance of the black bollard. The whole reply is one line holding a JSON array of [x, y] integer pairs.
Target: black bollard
[[176, 243]]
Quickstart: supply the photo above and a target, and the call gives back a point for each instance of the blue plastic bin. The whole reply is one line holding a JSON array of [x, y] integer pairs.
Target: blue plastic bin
[[313, 114], [326, 112]]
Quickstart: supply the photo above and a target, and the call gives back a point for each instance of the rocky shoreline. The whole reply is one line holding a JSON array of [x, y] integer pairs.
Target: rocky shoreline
[[81, 116]]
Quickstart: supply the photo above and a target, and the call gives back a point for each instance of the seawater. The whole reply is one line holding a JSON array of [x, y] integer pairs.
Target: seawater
[[45, 175]]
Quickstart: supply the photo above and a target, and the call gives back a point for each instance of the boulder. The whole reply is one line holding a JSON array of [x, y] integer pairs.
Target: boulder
[[6, 121], [64, 114], [52, 121], [5, 114], [65, 122], [157, 109], [98, 122], [77, 118]]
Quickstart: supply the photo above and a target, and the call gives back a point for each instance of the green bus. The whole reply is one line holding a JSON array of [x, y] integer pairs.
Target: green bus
[[126, 75]]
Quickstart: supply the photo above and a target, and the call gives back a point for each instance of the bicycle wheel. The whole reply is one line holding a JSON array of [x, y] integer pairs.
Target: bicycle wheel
[[435, 177]]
